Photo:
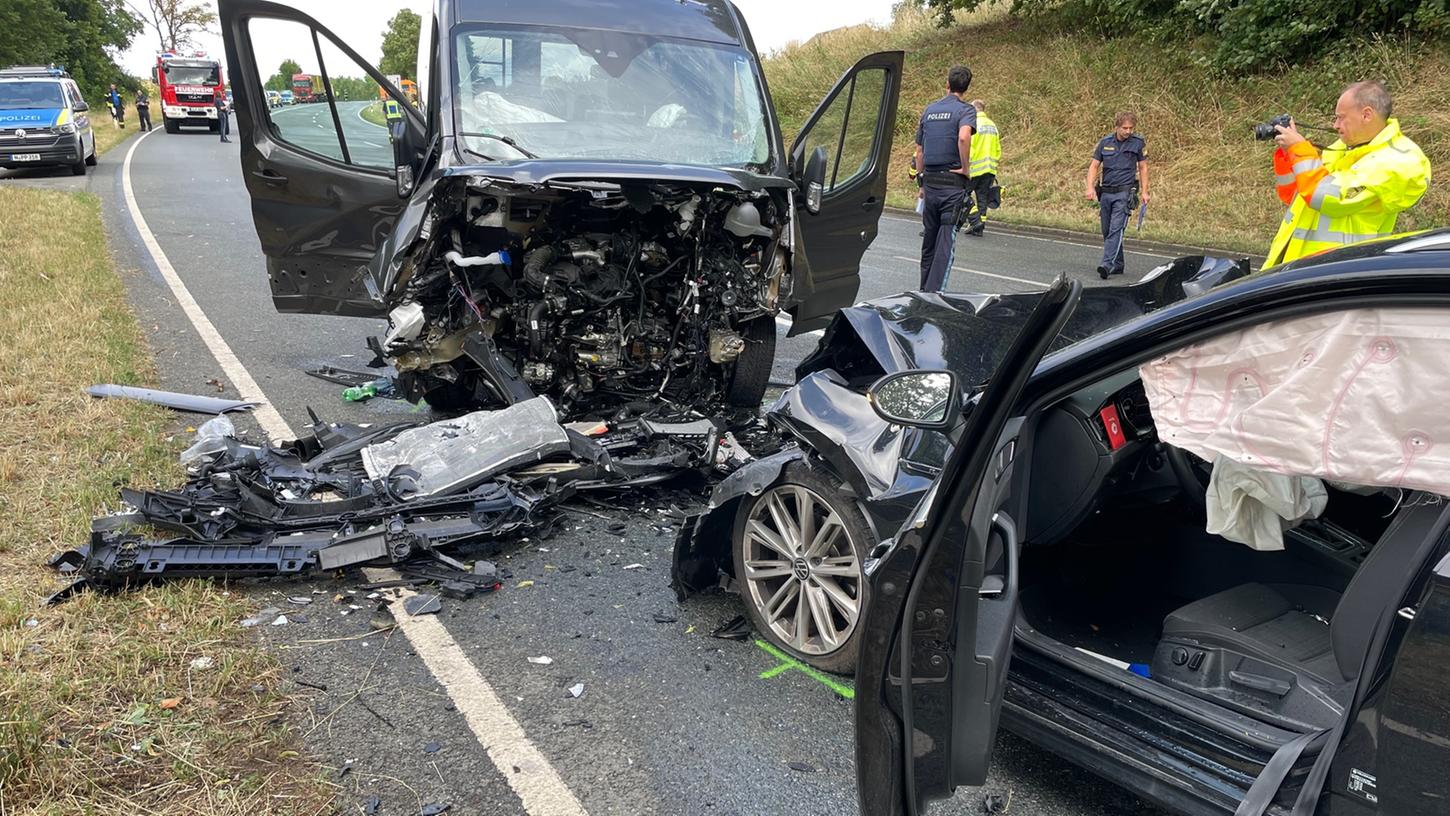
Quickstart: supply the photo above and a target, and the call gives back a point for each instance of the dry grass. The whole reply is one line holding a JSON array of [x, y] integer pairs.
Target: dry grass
[[83, 728], [1054, 92]]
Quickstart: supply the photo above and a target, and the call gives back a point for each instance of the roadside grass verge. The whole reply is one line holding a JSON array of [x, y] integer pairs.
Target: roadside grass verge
[[102, 708], [1054, 91], [373, 113], [106, 132]]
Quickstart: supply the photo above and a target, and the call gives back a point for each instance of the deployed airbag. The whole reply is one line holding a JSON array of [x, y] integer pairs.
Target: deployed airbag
[[1255, 507], [1355, 396]]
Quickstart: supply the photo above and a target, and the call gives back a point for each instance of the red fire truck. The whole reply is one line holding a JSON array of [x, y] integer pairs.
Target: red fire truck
[[189, 85]]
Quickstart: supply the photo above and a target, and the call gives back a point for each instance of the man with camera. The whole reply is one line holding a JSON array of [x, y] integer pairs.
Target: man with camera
[[1356, 188], [943, 156], [1117, 179]]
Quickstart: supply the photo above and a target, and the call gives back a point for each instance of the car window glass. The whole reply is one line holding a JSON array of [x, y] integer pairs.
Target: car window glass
[[23, 95], [337, 109], [847, 128]]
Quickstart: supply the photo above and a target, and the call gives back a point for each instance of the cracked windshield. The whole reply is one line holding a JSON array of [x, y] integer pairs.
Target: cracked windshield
[[610, 96]]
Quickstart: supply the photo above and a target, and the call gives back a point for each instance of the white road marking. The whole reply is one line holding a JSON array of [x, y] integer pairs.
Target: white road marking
[[266, 414], [537, 784], [964, 270], [1062, 241]]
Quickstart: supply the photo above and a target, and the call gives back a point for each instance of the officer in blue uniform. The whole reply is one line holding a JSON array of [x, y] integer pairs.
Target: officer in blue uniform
[[943, 154], [1117, 179]]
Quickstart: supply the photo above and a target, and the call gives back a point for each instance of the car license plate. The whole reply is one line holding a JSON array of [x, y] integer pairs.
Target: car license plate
[[25, 157]]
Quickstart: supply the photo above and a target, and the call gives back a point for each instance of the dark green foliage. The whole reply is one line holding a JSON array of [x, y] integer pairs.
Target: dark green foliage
[[400, 45], [79, 34], [1238, 36]]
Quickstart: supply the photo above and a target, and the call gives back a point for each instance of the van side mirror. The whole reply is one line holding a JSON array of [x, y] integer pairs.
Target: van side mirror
[[80, 107], [813, 180], [917, 399], [404, 154]]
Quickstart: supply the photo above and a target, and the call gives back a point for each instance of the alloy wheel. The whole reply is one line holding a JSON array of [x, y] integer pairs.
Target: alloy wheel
[[801, 570]]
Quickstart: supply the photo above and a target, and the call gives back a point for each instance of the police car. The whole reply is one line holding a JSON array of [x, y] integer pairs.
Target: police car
[[43, 120]]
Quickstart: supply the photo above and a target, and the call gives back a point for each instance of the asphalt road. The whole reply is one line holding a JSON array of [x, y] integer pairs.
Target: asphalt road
[[671, 721], [311, 126]]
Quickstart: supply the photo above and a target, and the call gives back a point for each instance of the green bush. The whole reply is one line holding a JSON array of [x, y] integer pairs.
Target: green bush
[[1242, 36]]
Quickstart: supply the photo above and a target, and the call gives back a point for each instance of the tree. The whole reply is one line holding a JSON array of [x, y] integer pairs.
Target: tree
[[81, 35], [282, 80], [400, 45], [177, 22]]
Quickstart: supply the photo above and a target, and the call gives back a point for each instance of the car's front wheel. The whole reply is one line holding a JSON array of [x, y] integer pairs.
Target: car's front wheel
[[798, 549]]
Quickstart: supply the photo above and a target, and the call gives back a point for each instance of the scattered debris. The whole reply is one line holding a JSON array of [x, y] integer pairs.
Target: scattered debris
[[541, 660], [737, 629], [170, 703], [634, 566], [581, 722], [995, 803], [665, 617], [432, 748], [802, 767], [423, 605], [202, 663], [524, 584], [371, 805], [299, 600], [280, 621], [434, 808], [576, 689], [170, 399]]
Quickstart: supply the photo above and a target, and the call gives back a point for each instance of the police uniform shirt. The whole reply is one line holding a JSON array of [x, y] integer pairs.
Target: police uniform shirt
[[1120, 159], [938, 129]]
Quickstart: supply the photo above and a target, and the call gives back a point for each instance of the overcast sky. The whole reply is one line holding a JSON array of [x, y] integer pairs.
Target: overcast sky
[[360, 24]]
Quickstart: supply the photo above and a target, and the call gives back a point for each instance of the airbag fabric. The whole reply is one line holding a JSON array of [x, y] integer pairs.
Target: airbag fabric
[[1255, 507], [1356, 396]]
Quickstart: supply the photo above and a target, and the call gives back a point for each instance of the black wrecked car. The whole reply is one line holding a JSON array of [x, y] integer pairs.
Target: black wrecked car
[[853, 478], [1059, 574], [590, 201]]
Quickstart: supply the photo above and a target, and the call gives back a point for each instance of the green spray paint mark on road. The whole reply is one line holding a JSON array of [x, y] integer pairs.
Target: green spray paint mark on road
[[787, 663]]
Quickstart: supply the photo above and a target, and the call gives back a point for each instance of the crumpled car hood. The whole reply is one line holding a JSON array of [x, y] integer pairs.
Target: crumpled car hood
[[545, 171]]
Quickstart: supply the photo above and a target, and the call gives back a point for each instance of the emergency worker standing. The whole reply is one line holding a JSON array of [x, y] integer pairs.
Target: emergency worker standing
[[982, 191], [1117, 179], [943, 154], [1357, 188]]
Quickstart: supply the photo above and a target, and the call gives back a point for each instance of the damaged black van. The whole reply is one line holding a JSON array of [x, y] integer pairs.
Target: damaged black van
[[588, 201]]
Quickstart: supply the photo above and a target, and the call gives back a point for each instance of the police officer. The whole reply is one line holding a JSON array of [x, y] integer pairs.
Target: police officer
[[1122, 159], [982, 191], [943, 154]]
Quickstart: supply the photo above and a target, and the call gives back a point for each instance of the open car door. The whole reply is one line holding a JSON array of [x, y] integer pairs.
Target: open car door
[[324, 177], [853, 126], [938, 630]]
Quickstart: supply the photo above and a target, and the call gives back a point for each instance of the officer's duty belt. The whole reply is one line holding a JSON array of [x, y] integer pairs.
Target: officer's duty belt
[[1117, 188], [943, 178]]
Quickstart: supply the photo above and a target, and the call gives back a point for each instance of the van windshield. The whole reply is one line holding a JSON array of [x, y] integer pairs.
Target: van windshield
[[589, 94], [22, 95]]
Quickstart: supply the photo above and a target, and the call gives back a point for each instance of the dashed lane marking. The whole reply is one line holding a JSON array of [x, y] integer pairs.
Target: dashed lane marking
[[966, 271], [518, 761]]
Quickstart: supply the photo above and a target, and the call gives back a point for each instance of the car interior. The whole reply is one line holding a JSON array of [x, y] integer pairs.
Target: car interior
[[1116, 564]]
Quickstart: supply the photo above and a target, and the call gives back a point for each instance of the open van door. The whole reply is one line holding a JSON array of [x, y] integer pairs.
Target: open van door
[[938, 631], [853, 127], [329, 179]]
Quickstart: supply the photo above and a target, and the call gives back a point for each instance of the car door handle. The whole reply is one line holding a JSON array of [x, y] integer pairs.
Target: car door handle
[[270, 176], [870, 203]]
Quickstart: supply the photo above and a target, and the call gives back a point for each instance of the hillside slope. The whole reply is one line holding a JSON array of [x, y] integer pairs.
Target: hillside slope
[[1053, 93]]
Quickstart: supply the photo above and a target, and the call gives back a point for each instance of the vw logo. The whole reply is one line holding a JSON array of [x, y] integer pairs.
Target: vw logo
[[20, 134], [801, 570]]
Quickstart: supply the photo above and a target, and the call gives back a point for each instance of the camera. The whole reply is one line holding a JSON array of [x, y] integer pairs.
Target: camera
[[1265, 131]]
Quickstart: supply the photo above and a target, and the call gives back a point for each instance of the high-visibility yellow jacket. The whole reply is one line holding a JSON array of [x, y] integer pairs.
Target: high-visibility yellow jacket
[[1346, 195], [986, 148]]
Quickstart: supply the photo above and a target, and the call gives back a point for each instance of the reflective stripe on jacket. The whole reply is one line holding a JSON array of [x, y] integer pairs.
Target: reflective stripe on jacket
[[1347, 195], [986, 147]]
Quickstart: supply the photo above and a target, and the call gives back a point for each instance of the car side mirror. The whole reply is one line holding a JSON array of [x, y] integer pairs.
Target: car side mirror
[[813, 180], [916, 399], [80, 107]]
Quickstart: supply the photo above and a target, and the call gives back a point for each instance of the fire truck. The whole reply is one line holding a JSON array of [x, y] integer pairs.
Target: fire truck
[[306, 88], [189, 85]]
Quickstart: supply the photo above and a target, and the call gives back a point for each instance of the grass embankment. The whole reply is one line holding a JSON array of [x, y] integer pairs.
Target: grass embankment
[[105, 704], [373, 113], [1053, 93]]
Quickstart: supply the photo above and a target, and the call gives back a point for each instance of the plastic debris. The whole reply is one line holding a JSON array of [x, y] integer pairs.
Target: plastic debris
[[423, 605], [737, 629], [211, 438], [541, 660], [434, 808], [432, 748], [634, 566], [281, 620], [202, 663], [802, 767], [576, 689]]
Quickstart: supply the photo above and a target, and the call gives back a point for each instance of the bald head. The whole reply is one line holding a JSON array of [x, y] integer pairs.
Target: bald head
[[1362, 112]]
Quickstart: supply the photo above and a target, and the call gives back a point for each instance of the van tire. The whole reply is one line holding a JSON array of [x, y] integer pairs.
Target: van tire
[[79, 168], [171, 125], [750, 374]]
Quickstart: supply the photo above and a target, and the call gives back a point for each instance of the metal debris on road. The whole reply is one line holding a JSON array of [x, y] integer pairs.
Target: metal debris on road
[[737, 629], [541, 660], [423, 605], [576, 689], [170, 399], [802, 767]]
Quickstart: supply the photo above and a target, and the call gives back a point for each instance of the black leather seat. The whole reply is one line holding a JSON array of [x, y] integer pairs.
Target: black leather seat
[[1288, 653]]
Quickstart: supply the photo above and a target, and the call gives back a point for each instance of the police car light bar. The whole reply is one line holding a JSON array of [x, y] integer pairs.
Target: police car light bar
[[48, 71]]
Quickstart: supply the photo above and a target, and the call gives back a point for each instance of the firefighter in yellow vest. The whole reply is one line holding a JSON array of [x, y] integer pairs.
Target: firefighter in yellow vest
[[982, 191], [1353, 191]]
